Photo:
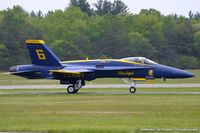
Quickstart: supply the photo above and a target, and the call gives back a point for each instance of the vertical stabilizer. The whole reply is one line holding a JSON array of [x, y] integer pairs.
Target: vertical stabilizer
[[41, 54]]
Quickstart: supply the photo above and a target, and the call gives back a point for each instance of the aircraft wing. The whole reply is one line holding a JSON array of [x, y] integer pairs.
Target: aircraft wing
[[92, 69], [73, 71]]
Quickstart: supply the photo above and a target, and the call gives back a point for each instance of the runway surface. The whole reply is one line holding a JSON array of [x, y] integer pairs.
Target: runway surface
[[100, 86], [108, 93]]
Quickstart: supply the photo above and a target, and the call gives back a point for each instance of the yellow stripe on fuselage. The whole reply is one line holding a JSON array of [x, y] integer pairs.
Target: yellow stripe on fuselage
[[78, 61], [139, 79], [128, 62], [60, 71], [142, 79], [125, 61], [35, 41]]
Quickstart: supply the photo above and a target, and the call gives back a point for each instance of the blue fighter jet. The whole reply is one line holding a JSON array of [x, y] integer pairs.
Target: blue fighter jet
[[45, 64]]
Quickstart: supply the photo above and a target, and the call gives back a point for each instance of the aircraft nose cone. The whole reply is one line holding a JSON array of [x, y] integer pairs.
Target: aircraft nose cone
[[171, 72], [182, 74]]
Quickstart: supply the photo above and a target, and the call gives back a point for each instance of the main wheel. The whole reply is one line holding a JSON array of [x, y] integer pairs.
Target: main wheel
[[132, 89], [71, 89]]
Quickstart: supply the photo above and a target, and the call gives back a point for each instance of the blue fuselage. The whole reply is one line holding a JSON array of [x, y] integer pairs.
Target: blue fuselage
[[159, 71], [45, 64], [102, 69]]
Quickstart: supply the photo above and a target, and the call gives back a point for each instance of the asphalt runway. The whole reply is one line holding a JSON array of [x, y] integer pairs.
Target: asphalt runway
[[100, 86], [104, 93]]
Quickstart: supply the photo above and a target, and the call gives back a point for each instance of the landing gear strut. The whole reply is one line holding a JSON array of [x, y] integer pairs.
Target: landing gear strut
[[132, 89], [72, 89]]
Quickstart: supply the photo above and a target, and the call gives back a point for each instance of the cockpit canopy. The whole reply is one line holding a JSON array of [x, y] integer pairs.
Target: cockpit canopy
[[139, 60]]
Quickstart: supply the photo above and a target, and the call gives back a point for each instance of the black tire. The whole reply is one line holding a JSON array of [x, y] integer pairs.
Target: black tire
[[132, 89], [71, 89]]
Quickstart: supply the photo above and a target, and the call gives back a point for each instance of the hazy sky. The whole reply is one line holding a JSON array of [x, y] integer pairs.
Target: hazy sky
[[181, 7]]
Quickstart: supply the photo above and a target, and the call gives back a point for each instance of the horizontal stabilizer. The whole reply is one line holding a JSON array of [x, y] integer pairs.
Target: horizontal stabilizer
[[25, 71]]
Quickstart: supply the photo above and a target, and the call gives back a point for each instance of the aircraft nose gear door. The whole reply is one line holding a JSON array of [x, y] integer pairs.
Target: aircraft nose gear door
[[71, 89], [132, 89]]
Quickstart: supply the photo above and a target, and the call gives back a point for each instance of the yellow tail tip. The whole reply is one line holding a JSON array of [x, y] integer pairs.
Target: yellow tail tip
[[35, 41]]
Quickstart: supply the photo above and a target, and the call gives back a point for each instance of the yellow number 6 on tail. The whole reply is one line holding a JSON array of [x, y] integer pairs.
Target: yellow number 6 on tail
[[40, 54]]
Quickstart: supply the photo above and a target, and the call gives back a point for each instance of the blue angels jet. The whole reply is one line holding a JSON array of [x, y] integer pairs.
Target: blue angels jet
[[45, 64]]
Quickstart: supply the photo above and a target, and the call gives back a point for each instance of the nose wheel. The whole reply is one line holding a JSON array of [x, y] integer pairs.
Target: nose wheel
[[132, 89]]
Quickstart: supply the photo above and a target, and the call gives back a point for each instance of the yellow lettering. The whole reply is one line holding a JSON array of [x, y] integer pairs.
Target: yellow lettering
[[126, 73], [73, 75]]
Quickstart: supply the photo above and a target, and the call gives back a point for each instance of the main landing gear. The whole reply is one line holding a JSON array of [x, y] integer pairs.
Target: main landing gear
[[132, 89], [72, 89]]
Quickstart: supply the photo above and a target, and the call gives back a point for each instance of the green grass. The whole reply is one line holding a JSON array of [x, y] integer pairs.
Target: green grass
[[87, 113], [7, 79], [97, 113]]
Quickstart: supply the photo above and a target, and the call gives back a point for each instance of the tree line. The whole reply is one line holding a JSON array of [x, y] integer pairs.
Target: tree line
[[108, 31]]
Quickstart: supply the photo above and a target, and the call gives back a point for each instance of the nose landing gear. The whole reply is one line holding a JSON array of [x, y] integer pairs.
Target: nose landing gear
[[132, 89]]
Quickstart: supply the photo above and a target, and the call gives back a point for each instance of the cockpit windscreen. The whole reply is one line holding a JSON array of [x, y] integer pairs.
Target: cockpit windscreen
[[139, 60]]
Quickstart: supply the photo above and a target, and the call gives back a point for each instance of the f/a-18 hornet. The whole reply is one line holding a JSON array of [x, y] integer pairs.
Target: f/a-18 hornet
[[45, 64]]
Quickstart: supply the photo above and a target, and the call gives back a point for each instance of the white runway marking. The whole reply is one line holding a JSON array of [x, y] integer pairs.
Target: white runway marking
[[108, 93], [101, 86]]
